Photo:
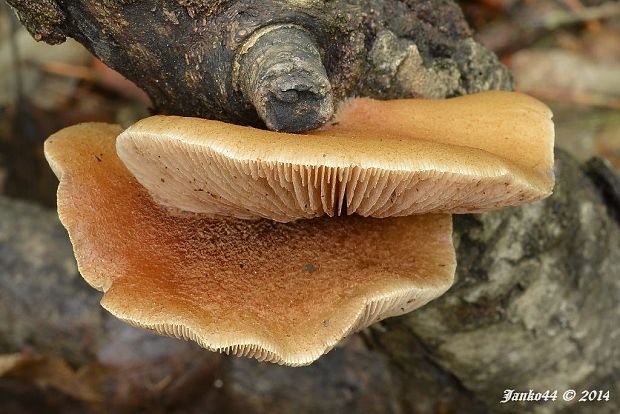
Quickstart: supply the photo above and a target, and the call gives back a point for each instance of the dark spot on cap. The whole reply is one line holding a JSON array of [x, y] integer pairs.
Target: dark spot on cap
[[309, 267]]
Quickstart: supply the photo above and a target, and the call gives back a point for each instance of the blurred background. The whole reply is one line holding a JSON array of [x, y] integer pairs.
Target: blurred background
[[60, 352]]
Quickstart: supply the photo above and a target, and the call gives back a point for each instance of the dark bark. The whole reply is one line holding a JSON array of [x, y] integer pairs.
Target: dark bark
[[183, 52], [535, 305]]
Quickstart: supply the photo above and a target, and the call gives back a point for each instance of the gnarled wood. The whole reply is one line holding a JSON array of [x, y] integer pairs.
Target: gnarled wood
[[183, 53]]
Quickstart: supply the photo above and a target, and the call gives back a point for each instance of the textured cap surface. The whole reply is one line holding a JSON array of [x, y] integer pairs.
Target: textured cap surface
[[285, 293], [378, 159]]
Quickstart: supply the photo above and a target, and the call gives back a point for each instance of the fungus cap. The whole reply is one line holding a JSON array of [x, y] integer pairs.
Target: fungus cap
[[285, 293], [377, 159]]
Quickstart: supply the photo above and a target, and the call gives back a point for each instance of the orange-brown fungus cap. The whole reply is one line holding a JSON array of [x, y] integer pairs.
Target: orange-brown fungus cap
[[378, 159], [285, 293]]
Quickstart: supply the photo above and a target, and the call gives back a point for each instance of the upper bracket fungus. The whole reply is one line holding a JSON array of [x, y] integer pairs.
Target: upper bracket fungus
[[156, 215], [377, 159]]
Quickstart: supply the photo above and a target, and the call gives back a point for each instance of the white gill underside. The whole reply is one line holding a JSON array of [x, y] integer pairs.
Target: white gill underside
[[211, 183]]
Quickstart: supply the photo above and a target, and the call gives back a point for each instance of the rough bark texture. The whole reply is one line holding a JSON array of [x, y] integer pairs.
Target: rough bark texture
[[535, 305], [183, 53]]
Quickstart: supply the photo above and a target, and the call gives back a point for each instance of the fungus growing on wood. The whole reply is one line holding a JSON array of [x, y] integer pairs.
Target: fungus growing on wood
[[377, 159], [285, 293], [288, 292]]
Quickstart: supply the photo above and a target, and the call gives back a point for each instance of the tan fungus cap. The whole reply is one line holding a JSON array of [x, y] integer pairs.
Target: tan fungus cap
[[378, 159], [285, 293]]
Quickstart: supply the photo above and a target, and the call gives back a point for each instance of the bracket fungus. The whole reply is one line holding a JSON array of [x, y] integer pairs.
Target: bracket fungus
[[378, 159], [286, 293], [274, 287]]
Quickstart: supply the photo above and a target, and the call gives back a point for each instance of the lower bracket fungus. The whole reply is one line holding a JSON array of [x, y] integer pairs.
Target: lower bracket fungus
[[285, 293], [158, 215]]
